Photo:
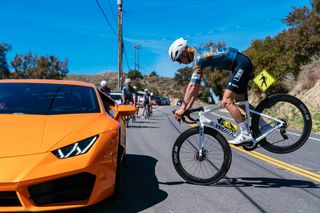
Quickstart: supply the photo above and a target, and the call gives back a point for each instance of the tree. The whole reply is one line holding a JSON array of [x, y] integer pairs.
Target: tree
[[4, 68], [133, 74], [153, 73], [183, 75], [297, 16], [43, 67], [285, 53]]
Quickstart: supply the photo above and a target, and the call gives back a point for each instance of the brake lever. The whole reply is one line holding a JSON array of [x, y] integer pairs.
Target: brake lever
[[179, 119]]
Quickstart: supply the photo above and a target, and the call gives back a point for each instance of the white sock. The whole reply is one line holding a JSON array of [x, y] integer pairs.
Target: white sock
[[243, 128]]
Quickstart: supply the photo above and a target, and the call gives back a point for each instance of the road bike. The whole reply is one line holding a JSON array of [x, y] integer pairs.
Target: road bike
[[201, 155], [132, 117], [147, 111]]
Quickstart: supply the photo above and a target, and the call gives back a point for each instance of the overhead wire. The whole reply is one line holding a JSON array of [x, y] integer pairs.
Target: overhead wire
[[113, 30], [112, 12], [106, 18], [168, 7]]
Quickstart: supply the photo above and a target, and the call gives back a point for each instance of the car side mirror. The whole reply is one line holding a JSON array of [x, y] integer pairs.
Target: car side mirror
[[124, 110]]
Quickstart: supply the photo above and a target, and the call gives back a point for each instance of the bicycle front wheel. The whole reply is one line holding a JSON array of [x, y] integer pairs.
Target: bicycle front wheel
[[296, 117], [208, 168]]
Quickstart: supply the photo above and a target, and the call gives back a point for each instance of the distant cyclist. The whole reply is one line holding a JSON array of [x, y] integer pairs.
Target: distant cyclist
[[146, 103], [137, 99], [220, 58], [104, 87], [151, 103], [128, 93]]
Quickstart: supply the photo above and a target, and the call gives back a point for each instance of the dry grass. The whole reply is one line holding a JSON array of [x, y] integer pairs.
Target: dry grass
[[310, 74]]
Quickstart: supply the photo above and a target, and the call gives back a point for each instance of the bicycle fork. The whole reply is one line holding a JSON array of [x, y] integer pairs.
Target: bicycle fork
[[202, 120], [201, 139]]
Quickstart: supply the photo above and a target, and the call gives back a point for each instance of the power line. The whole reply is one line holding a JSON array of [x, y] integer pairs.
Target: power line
[[105, 16], [125, 54], [113, 15], [169, 7]]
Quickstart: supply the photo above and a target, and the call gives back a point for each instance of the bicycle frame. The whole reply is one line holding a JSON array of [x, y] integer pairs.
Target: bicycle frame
[[205, 121]]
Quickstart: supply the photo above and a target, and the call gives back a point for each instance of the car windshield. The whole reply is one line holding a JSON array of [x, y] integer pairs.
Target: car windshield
[[47, 99]]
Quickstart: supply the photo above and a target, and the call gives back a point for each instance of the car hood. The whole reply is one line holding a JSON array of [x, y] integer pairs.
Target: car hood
[[31, 134]]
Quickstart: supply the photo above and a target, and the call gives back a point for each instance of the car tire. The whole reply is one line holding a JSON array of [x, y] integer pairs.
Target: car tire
[[117, 183]]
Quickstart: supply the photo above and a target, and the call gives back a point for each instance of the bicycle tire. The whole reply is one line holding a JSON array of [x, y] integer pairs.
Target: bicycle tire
[[220, 141], [290, 108]]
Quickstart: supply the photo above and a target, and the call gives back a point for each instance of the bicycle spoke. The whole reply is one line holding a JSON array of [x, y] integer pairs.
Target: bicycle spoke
[[208, 166]]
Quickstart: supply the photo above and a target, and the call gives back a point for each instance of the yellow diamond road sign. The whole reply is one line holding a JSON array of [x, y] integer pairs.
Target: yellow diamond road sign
[[264, 80]]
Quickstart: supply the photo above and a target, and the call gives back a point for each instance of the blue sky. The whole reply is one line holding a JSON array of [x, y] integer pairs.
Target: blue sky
[[76, 29]]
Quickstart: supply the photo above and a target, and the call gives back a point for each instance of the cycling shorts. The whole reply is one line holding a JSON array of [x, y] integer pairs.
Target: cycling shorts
[[242, 72]]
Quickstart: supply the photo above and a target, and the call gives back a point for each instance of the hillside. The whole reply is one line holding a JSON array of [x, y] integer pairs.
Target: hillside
[[162, 86], [112, 78]]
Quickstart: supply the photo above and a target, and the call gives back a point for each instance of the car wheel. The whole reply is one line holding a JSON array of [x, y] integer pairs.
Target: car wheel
[[117, 183]]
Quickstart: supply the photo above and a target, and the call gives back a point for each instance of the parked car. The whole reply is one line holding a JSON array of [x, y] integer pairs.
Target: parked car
[[62, 145], [117, 97], [179, 102], [156, 100], [165, 101]]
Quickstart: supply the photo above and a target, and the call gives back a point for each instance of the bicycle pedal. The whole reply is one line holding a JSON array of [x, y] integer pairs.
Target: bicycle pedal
[[248, 143]]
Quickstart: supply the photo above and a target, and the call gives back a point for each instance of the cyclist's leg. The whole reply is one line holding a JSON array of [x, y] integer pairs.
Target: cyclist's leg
[[237, 86], [228, 101], [144, 109], [237, 90]]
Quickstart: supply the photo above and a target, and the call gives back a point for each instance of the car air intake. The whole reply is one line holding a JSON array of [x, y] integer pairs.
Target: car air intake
[[9, 198], [68, 189]]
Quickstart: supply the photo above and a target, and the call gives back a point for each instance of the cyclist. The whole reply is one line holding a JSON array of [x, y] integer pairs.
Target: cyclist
[[220, 58], [151, 103], [136, 100], [104, 88], [128, 93], [146, 103]]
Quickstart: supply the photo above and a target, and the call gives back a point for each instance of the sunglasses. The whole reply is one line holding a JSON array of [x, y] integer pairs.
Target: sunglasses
[[180, 57]]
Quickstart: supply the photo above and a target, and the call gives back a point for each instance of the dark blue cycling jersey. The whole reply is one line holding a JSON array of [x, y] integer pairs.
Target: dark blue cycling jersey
[[128, 92], [215, 57]]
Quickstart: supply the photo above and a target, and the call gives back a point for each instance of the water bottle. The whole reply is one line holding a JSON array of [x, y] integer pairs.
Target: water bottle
[[228, 125]]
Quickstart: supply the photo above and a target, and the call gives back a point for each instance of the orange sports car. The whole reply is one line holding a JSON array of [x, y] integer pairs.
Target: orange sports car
[[62, 143]]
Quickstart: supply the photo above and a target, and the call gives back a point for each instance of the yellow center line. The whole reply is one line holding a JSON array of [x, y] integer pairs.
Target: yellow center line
[[278, 163], [281, 164]]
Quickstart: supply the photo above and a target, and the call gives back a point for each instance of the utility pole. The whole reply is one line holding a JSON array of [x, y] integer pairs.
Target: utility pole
[[137, 55], [120, 44]]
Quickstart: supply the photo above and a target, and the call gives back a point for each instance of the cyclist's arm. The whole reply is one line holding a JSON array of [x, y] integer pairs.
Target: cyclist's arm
[[190, 96], [123, 96], [134, 99], [193, 88]]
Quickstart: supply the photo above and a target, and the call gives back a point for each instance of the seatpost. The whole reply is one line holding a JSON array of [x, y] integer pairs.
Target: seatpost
[[248, 119]]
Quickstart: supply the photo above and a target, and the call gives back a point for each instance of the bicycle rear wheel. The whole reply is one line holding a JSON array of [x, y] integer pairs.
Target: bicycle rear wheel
[[208, 169], [297, 120]]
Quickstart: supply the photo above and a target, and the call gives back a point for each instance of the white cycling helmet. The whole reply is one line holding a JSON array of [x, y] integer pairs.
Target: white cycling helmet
[[127, 81], [146, 90], [135, 87], [103, 83], [151, 94], [176, 48]]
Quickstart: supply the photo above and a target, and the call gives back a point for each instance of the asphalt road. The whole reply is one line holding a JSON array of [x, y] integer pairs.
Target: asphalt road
[[258, 182]]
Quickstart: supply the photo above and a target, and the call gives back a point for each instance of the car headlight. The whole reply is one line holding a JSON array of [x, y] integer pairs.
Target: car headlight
[[75, 149]]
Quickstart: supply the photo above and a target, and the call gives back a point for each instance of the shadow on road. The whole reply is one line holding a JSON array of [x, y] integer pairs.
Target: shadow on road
[[142, 127], [139, 188], [144, 122], [259, 182], [262, 182]]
